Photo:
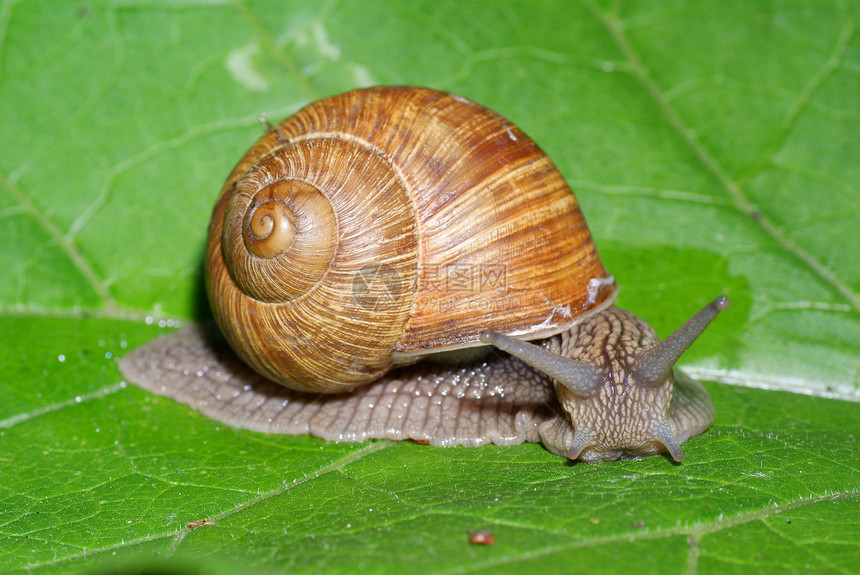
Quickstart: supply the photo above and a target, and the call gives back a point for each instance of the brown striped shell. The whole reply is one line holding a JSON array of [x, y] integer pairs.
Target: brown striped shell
[[380, 225]]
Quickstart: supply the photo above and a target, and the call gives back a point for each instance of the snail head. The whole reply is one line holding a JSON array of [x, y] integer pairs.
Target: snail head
[[615, 380]]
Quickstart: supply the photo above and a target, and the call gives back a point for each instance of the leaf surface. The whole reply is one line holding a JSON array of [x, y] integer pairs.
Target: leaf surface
[[712, 146]]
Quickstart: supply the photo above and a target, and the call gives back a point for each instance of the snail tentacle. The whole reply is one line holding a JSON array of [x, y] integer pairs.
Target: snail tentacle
[[580, 377], [581, 441], [654, 365], [664, 435]]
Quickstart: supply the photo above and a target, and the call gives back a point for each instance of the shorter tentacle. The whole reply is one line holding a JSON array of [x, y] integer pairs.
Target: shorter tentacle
[[664, 435], [581, 441]]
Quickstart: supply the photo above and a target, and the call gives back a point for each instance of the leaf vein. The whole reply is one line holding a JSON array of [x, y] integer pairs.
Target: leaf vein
[[63, 242], [733, 188]]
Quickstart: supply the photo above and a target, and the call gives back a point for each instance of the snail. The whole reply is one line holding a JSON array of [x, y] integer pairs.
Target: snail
[[376, 264]]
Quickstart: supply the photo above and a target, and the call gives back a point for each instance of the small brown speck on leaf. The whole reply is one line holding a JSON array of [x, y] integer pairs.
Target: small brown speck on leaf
[[199, 523], [481, 537]]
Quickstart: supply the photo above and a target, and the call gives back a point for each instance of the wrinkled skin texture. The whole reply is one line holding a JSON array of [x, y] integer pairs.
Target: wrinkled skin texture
[[622, 418], [496, 399]]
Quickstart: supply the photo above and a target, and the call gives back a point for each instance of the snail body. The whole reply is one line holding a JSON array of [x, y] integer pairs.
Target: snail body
[[382, 226]]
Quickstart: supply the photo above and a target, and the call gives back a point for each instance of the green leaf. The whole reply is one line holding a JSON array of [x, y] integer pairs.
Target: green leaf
[[713, 147]]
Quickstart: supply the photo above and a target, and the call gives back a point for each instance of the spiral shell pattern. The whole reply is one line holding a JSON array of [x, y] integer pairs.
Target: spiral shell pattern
[[379, 225]]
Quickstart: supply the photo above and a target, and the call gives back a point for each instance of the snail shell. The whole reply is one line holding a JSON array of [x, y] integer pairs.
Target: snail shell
[[377, 226], [329, 245]]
